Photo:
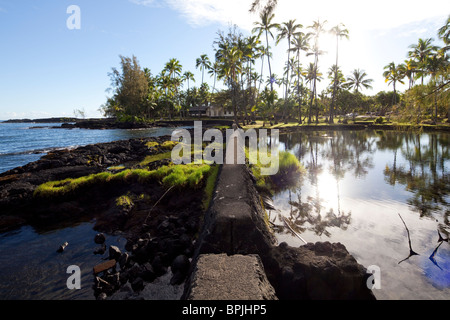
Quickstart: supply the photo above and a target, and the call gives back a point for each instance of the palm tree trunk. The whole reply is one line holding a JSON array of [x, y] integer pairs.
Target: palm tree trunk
[[268, 61], [287, 82]]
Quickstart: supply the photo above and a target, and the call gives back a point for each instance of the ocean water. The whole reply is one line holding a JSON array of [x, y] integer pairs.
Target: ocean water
[[30, 267], [21, 143]]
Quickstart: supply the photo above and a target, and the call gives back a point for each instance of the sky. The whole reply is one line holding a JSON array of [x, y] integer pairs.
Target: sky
[[48, 68]]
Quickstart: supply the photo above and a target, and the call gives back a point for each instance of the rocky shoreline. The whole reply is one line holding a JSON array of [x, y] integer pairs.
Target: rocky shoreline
[[164, 241]]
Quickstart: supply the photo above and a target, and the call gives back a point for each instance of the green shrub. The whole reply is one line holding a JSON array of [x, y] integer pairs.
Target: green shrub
[[379, 120]]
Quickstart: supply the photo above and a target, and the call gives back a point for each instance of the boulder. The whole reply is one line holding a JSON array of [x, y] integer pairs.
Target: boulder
[[318, 271], [99, 238], [114, 252]]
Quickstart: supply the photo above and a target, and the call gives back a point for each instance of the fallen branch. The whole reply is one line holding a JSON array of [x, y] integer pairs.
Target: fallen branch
[[411, 251], [292, 230]]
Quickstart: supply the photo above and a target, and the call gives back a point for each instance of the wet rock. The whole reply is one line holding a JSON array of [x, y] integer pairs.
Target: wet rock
[[321, 270], [62, 247], [114, 252], [137, 284], [100, 250], [147, 273], [123, 260], [180, 264], [99, 238]]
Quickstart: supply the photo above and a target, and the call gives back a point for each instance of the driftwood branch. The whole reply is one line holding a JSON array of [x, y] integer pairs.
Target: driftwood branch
[[411, 251], [292, 230]]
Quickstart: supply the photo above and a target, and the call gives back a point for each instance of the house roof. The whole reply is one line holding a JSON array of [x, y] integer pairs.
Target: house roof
[[198, 108]]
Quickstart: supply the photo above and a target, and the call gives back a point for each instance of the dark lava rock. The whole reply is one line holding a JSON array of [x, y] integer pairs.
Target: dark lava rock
[[99, 238], [114, 252], [137, 284], [321, 271]]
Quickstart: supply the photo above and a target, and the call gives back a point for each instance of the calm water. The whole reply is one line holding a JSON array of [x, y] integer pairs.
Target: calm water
[[356, 185], [30, 267], [21, 143]]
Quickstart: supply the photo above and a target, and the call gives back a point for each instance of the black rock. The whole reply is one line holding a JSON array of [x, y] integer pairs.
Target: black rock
[[99, 238], [114, 252], [180, 264], [137, 284], [100, 250], [62, 247]]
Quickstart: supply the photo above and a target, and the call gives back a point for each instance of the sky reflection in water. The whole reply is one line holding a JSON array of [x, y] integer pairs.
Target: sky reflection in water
[[357, 183]]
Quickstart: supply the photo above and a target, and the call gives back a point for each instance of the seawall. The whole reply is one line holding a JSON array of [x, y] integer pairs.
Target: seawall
[[237, 256]]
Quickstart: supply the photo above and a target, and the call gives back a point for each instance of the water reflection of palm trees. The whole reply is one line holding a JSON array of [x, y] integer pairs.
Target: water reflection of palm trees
[[424, 174], [326, 154]]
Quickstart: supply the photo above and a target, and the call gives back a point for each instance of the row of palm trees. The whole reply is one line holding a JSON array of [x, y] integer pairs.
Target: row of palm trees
[[425, 60], [235, 57]]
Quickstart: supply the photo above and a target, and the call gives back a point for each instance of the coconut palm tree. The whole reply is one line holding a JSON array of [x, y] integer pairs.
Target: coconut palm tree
[[312, 75], [266, 26], [340, 32], [444, 34], [300, 42], [316, 53], [393, 75], [203, 63], [434, 65], [357, 80], [286, 31], [420, 52], [188, 76], [409, 69], [317, 29]]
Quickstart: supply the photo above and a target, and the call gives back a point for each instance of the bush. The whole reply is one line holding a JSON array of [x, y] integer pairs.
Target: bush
[[379, 120]]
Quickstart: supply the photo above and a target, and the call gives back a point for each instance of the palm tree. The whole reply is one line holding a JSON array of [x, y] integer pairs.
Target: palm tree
[[266, 25], [213, 72], [317, 28], [299, 42], [444, 34], [357, 80], [229, 58], [312, 75], [392, 75], [316, 52], [409, 69], [434, 65], [421, 51], [188, 76], [337, 82], [173, 67], [203, 63], [339, 32], [286, 31]]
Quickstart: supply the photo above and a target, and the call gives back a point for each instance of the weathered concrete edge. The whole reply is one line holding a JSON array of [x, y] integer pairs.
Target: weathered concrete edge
[[234, 224]]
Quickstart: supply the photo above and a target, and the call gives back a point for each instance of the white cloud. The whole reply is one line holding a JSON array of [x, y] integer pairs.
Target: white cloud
[[364, 15], [147, 3]]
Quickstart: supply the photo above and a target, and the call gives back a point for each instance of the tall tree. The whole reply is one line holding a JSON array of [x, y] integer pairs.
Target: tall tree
[[420, 52], [444, 34], [130, 87], [203, 63], [229, 57], [434, 65], [358, 80], [340, 32], [266, 26], [300, 42], [286, 31], [188, 76], [317, 29], [392, 75]]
